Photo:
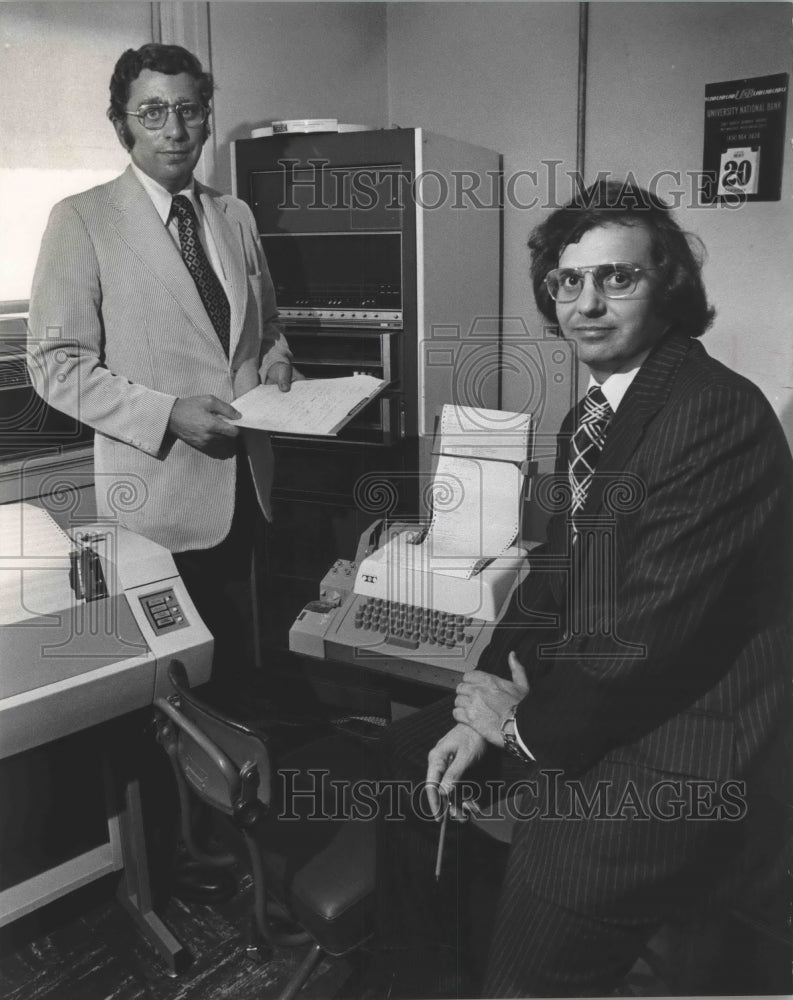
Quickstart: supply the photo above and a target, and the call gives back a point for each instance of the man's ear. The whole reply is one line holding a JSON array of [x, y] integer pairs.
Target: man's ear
[[123, 133]]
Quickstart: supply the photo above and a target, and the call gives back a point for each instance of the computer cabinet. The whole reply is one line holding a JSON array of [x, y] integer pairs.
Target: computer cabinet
[[383, 263]]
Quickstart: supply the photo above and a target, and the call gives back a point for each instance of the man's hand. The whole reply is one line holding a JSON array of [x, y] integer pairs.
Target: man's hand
[[483, 700], [447, 762], [203, 423], [283, 374]]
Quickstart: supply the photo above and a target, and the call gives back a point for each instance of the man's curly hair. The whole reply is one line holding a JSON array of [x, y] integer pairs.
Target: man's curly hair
[[680, 295]]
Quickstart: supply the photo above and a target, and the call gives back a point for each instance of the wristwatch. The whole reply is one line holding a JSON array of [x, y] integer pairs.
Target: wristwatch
[[508, 732]]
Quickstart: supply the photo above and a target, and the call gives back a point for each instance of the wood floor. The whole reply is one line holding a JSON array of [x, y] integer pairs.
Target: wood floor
[[86, 947], [90, 950]]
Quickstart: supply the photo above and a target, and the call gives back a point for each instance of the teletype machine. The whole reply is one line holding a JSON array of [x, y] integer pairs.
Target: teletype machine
[[421, 600], [90, 621]]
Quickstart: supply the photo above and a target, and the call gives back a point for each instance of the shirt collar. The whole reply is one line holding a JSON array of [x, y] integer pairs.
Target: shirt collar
[[616, 385], [161, 199]]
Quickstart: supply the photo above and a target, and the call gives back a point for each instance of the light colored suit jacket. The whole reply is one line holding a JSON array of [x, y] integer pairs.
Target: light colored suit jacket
[[118, 332]]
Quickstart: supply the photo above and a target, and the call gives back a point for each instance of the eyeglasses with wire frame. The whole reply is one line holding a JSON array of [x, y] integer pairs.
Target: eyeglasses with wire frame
[[615, 280], [154, 116]]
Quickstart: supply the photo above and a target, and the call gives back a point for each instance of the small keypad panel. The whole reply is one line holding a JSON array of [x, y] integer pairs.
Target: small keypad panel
[[163, 611], [409, 627]]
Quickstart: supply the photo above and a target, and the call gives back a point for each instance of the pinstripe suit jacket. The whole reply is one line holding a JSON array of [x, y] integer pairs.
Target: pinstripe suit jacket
[[672, 657], [118, 332]]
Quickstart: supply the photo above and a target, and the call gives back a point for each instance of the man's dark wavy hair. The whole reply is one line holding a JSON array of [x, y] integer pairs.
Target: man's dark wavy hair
[[170, 59], [680, 296]]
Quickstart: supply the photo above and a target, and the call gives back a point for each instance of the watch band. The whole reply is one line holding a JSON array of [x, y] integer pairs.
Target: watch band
[[508, 733]]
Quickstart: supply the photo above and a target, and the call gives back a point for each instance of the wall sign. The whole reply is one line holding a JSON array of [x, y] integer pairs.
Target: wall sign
[[744, 139]]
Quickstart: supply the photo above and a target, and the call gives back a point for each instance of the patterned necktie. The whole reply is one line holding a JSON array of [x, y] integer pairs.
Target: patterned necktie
[[207, 282], [586, 446]]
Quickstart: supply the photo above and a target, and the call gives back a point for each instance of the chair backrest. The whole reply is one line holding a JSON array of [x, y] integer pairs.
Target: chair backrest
[[226, 763]]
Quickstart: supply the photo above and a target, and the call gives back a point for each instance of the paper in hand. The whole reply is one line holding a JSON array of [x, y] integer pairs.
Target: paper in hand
[[312, 406]]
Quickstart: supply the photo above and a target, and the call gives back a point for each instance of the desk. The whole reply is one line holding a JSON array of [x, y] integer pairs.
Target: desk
[[71, 663]]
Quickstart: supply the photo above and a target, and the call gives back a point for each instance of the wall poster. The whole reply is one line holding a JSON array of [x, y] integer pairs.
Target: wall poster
[[744, 139]]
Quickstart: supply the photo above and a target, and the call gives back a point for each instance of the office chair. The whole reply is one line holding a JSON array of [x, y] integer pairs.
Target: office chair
[[311, 864]]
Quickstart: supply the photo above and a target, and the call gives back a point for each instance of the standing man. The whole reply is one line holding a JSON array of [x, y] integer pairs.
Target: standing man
[[152, 309], [649, 712]]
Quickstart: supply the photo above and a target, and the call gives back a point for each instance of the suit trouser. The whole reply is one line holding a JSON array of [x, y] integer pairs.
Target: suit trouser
[[219, 583], [479, 930], [542, 949], [423, 933]]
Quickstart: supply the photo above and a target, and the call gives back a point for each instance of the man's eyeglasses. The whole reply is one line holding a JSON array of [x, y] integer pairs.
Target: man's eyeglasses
[[154, 116], [615, 281]]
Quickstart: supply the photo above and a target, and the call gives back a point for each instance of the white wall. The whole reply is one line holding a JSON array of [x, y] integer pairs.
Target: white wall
[[648, 67], [501, 75], [504, 75], [54, 137], [295, 60], [270, 60]]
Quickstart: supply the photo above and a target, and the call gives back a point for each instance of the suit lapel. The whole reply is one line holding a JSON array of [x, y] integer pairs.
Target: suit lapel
[[646, 395], [141, 228], [230, 258]]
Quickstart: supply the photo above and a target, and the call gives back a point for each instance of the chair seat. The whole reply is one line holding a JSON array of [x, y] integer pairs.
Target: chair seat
[[319, 859]]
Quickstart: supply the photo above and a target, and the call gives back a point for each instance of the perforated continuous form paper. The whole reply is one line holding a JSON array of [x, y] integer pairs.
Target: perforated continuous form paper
[[31, 546], [312, 406], [477, 488]]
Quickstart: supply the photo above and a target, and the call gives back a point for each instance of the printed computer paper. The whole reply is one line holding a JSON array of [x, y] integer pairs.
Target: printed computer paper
[[476, 489], [312, 406], [31, 547]]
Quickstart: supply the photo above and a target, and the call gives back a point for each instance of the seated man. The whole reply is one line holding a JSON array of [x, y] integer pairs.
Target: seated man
[[643, 685]]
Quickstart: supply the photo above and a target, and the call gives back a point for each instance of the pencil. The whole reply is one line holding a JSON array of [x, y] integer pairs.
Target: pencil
[[441, 840]]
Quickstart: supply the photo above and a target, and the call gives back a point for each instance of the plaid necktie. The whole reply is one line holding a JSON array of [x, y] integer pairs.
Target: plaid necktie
[[586, 446], [207, 282]]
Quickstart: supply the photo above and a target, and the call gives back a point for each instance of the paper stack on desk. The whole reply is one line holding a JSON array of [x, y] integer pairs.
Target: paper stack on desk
[[34, 563], [312, 406]]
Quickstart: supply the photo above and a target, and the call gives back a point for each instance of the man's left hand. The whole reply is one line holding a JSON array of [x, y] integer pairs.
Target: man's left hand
[[283, 375], [483, 700]]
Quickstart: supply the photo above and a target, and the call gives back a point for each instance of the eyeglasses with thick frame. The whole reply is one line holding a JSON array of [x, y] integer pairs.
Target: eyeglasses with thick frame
[[616, 280], [154, 116]]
